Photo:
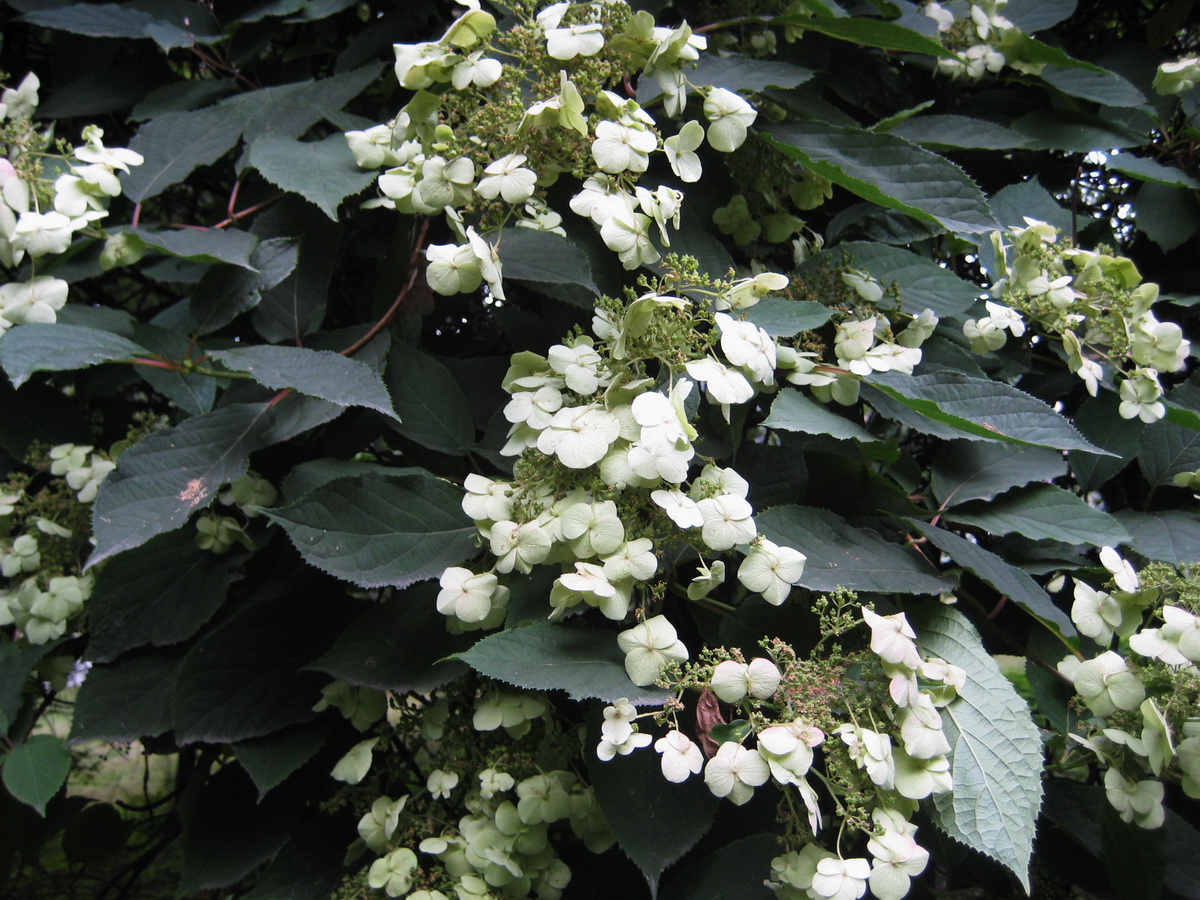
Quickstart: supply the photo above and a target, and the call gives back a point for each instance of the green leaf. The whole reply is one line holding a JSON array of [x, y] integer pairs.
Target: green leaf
[[889, 123], [1146, 169], [175, 144], [170, 25], [210, 245], [318, 373], [1167, 449], [169, 474], [1042, 512], [1168, 535], [36, 769], [181, 97], [400, 645], [128, 699], [433, 410], [1099, 421], [996, 752], [986, 409], [17, 663], [780, 317], [543, 257], [38, 347], [870, 32], [378, 531], [792, 411], [1103, 87], [292, 109], [1005, 578], [322, 172], [654, 821], [744, 73], [1035, 15], [159, 593], [315, 473], [922, 283], [840, 555], [1031, 50], [192, 392], [961, 132], [1028, 198], [295, 307], [245, 679], [979, 470], [732, 873], [270, 759], [1080, 132], [889, 171], [584, 662], [1166, 215], [225, 292]]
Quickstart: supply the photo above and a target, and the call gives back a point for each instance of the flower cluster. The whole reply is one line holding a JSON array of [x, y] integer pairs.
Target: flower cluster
[[1097, 303], [1142, 692], [480, 141], [877, 747], [983, 39], [38, 550], [39, 217]]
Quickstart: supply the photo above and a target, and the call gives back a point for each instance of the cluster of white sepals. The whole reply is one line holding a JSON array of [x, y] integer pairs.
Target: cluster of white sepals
[[901, 775], [992, 38], [41, 604], [430, 170], [501, 846], [1089, 298], [1107, 683], [82, 190]]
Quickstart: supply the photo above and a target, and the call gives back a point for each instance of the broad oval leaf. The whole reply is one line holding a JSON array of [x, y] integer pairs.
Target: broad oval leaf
[[1042, 512], [322, 172], [744, 73], [922, 283], [318, 373], [433, 409], [1103, 87], [57, 347], [996, 751], [36, 769], [584, 662], [889, 171], [225, 292], [543, 257], [129, 698], [1168, 535], [792, 411], [209, 245], [871, 32], [779, 317], [1166, 450], [979, 470], [376, 531], [962, 132], [840, 555]]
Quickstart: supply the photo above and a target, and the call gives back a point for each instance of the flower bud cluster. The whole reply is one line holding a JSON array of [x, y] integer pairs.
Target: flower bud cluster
[[983, 39], [39, 218], [1097, 303], [1143, 692], [480, 141]]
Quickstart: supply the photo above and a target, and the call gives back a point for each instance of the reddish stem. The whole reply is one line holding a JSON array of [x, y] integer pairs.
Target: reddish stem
[[413, 271]]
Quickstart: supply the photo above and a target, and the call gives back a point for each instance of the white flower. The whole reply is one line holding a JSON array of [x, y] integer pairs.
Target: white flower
[[508, 178], [852, 341], [681, 152], [872, 752], [601, 199], [1106, 684], [788, 751], [729, 116], [1122, 572], [622, 148], [771, 570], [534, 408], [353, 767], [1006, 318], [892, 638], [681, 756], [898, 858], [36, 300], [476, 69], [707, 579], [727, 521], [579, 435], [452, 269], [575, 40], [618, 721], [1095, 613], [466, 595], [579, 365], [519, 547], [633, 559], [866, 286], [745, 344], [607, 748], [732, 681], [628, 235], [921, 729], [649, 648], [593, 528], [41, 233], [917, 778], [440, 783], [1140, 395], [735, 772], [1140, 803], [486, 500], [681, 508], [489, 263], [722, 385], [746, 292], [841, 879]]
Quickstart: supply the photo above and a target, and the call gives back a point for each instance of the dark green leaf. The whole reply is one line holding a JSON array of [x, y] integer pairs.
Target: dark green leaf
[[1168, 535], [871, 32], [996, 751], [292, 109], [889, 171], [840, 555], [168, 23], [1028, 198], [1031, 50], [433, 410], [244, 679], [584, 662], [1042, 512], [1146, 169], [377, 531], [159, 593], [1035, 15], [36, 769], [979, 470], [1064, 129], [129, 698], [543, 257], [295, 307], [743, 73], [1167, 449], [989, 410], [792, 411], [176, 143], [654, 821], [192, 392], [38, 347], [400, 645], [169, 474], [270, 759], [322, 172], [1167, 215], [960, 132], [181, 97], [1005, 578], [227, 245], [16, 665], [1099, 422], [1134, 858], [732, 873], [922, 283], [225, 292], [1105, 88], [318, 373], [779, 317]]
